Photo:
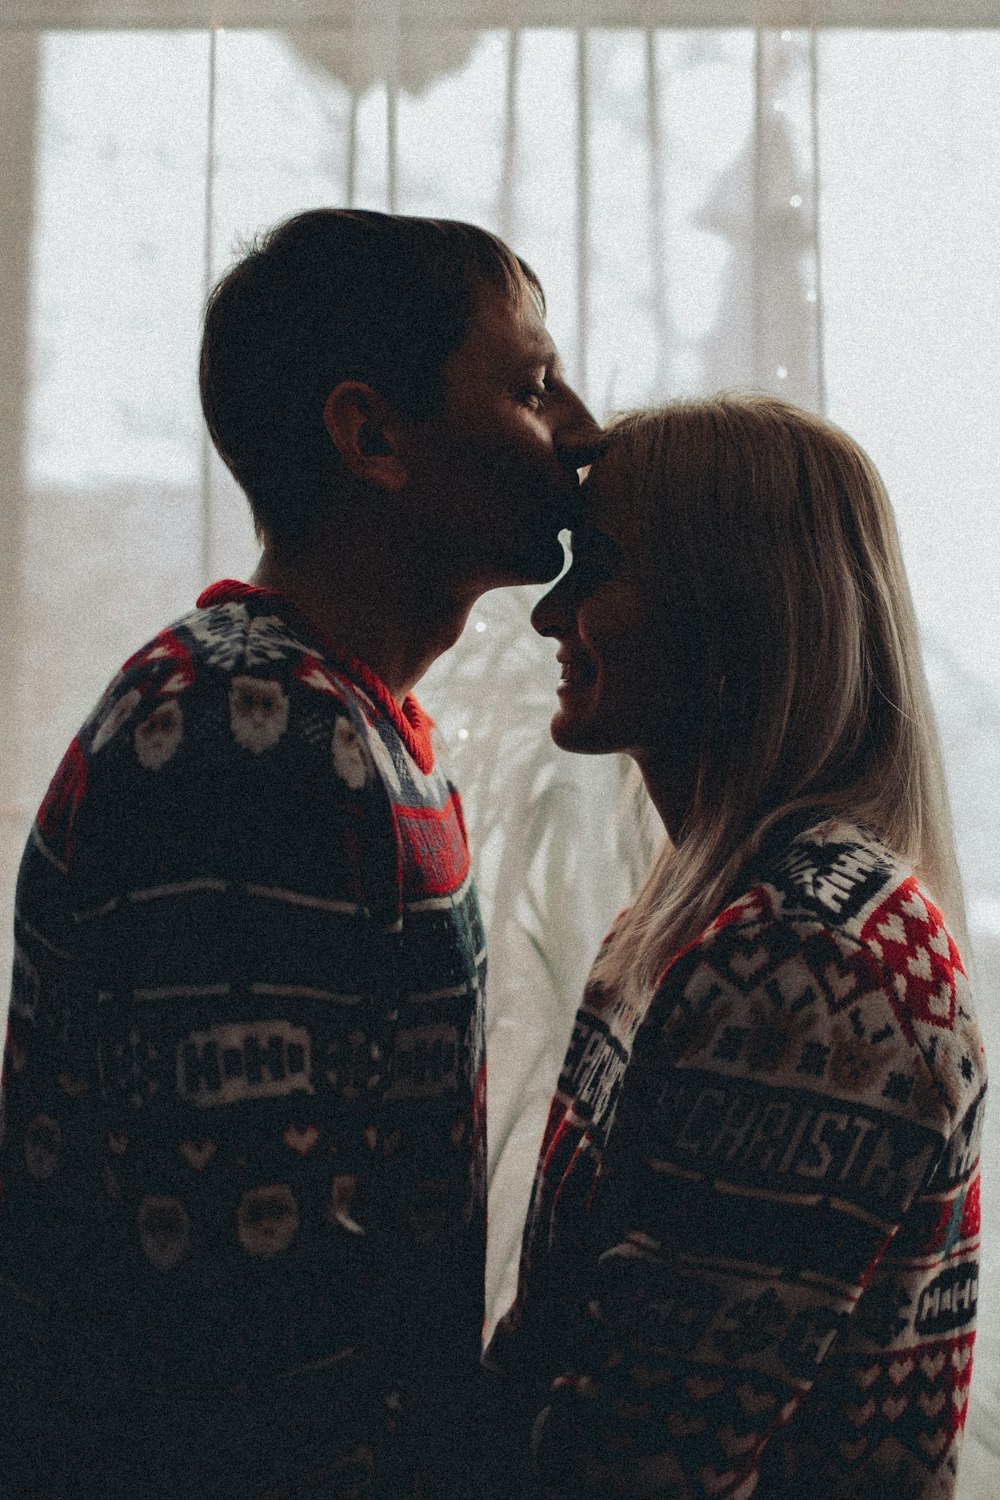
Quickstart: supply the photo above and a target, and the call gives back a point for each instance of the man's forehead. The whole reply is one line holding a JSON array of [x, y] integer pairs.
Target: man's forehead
[[511, 328]]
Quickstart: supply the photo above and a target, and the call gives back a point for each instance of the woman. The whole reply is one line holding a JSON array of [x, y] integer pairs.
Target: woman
[[749, 1265]]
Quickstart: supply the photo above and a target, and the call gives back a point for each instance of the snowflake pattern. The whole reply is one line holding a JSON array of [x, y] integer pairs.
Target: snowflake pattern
[[227, 636]]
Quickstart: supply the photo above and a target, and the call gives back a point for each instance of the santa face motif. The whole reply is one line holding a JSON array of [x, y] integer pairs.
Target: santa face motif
[[164, 1231], [349, 759], [113, 721], [258, 712], [268, 1219], [158, 736], [42, 1141]]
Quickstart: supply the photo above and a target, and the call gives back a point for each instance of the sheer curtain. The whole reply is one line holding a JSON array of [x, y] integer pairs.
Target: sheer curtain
[[792, 196]]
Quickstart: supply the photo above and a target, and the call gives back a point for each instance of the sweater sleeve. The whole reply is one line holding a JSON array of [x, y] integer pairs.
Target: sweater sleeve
[[778, 1124]]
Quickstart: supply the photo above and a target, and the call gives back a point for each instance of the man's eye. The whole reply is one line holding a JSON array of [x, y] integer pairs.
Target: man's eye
[[533, 395]]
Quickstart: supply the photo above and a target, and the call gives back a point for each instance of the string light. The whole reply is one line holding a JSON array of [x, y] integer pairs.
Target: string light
[[795, 201], [811, 295], [782, 373], [463, 734], [480, 626]]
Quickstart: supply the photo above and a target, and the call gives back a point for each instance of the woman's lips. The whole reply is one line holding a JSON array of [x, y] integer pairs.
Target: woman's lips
[[577, 672]]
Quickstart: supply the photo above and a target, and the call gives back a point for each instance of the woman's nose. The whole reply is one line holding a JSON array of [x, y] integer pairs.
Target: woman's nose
[[553, 613]]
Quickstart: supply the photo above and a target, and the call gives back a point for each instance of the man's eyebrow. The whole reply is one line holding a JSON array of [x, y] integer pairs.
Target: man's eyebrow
[[541, 351]]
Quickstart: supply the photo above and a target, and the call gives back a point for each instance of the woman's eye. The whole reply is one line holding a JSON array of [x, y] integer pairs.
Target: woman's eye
[[589, 572]]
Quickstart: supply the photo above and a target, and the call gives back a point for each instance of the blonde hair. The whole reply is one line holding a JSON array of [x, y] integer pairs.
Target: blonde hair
[[766, 539]]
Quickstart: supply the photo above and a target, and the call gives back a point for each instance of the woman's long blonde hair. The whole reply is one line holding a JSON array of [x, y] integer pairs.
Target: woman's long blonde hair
[[767, 536]]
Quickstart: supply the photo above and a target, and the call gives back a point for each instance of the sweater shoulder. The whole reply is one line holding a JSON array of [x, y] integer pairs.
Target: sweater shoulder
[[835, 873], [838, 916], [231, 651]]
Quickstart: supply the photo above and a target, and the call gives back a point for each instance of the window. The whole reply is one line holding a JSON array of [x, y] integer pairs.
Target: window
[[708, 204]]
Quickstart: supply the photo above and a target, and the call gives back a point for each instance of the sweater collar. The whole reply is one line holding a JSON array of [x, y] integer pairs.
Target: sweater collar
[[411, 722]]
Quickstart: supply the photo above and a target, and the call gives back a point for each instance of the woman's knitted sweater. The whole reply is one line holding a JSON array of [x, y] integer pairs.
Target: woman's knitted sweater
[[750, 1261]]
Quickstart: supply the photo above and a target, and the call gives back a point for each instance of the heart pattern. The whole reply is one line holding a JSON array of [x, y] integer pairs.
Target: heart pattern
[[933, 1442], [754, 1402], [918, 1400], [198, 1154], [300, 1139], [713, 1483], [734, 1444], [681, 1426], [699, 1389], [859, 1415], [745, 965]]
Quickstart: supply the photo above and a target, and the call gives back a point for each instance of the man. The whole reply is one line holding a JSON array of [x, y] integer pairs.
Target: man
[[243, 1223]]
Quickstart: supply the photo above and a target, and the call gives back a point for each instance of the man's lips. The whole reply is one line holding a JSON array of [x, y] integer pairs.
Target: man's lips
[[563, 509], [571, 511]]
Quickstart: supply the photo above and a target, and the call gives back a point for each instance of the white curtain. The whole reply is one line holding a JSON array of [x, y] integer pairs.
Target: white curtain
[[796, 196]]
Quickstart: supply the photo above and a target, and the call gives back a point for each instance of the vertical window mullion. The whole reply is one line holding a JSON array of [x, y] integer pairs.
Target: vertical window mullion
[[657, 237], [506, 207], [819, 329], [206, 519], [757, 214], [392, 134], [352, 146], [582, 211]]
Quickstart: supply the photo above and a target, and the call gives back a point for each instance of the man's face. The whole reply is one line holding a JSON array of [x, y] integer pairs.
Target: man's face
[[497, 470]]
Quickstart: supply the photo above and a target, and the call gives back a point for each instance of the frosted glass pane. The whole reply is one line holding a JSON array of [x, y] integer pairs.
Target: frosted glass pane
[[910, 145], [114, 441]]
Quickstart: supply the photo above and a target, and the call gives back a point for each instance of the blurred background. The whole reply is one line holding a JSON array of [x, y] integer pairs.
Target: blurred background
[[791, 196]]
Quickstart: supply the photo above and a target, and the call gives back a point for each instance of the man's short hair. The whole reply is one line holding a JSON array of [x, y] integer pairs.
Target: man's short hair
[[325, 296]]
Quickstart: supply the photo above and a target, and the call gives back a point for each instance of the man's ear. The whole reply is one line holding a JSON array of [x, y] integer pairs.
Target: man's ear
[[363, 428]]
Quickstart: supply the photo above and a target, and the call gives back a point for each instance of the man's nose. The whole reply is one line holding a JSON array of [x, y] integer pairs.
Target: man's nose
[[579, 439]]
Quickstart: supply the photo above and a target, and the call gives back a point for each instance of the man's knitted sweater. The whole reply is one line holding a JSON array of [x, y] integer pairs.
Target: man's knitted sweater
[[750, 1262], [243, 1215]]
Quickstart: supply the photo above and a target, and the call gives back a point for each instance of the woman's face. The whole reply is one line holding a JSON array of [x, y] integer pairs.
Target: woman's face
[[622, 687]]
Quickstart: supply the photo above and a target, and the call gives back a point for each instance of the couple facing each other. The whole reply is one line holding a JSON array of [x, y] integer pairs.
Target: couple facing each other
[[242, 1232]]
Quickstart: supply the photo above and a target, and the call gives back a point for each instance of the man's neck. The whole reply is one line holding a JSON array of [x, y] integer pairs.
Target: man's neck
[[389, 612]]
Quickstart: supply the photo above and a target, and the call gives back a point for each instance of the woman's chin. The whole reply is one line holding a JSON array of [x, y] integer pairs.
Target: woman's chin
[[573, 730]]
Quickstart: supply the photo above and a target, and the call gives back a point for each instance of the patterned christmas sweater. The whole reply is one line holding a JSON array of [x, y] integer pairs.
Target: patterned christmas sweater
[[242, 1230], [750, 1261]]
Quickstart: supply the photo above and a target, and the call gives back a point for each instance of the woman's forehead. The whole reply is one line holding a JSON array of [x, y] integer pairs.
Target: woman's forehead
[[607, 505]]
